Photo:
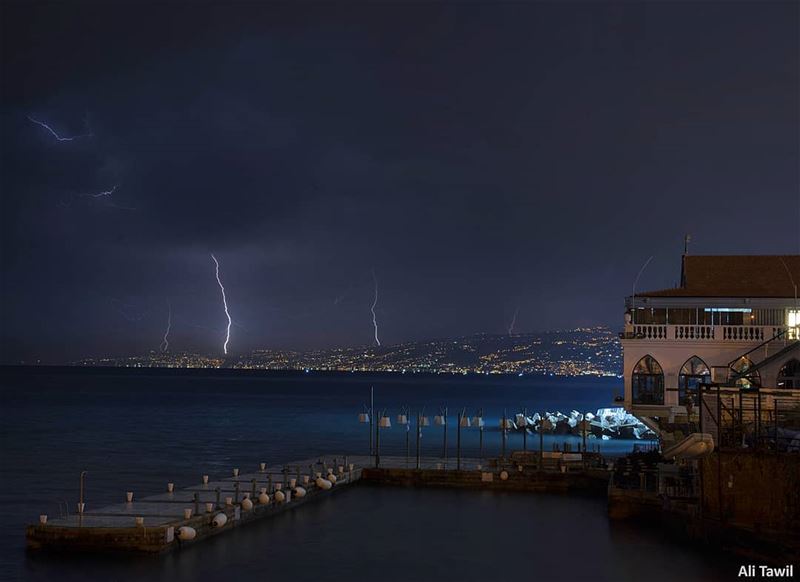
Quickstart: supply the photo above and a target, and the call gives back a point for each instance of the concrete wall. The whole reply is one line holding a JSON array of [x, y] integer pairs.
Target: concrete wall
[[757, 490]]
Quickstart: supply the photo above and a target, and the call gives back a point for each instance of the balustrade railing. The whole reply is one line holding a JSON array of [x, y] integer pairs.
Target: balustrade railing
[[726, 333]]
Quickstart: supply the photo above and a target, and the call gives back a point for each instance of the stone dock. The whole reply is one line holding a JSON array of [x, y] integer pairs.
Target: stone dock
[[181, 517]]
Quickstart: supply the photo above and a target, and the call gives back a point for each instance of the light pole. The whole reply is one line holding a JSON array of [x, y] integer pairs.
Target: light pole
[[524, 425], [463, 421], [477, 421], [402, 419], [422, 420], [384, 422], [503, 428], [441, 420]]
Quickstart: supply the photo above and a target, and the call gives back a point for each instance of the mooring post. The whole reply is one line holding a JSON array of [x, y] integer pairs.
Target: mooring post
[[196, 503]]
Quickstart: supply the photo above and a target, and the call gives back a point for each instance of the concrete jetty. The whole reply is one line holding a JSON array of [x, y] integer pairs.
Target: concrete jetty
[[180, 517]]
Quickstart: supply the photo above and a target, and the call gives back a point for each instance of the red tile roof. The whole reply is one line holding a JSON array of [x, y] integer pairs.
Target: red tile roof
[[735, 276]]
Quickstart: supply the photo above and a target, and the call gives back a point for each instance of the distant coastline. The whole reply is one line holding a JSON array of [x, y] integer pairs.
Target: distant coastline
[[568, 353]]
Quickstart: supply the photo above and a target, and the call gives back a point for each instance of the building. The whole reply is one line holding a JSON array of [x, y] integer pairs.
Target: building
[[733, 321]]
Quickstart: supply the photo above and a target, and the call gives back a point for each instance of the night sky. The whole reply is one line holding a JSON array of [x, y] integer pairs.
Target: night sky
[[480, 157]]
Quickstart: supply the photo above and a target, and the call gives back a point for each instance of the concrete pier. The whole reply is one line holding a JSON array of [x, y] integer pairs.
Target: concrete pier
[[171, 520]]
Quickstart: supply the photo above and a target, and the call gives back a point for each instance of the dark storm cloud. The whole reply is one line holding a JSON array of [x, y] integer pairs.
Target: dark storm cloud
[[480, 158]]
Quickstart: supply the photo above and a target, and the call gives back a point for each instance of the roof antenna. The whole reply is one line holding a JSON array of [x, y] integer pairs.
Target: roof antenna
[[686, 240]]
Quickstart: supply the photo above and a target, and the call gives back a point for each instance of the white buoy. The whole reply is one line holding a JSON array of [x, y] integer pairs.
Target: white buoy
[[247, 505], [332, 478], [43, 519], [280, 497], [299, 492], [205, 479], [209, 507], [187, 513], [129, 496], [219, 520], [323, 483], [170, 487], [139, 521], [263, 499], [186, 533], [504, 475]]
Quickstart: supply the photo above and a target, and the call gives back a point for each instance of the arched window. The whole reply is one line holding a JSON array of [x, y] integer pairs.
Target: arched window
[[789, 375], [693, 372], [748, 380], [647, 382]]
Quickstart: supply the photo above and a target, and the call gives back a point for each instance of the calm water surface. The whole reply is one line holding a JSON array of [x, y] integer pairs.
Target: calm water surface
[[139, 429]]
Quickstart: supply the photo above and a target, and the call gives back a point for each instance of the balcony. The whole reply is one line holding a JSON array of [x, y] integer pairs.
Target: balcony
[[702, 333]]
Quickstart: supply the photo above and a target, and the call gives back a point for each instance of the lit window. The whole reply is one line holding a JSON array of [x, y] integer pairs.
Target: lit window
[[793, 323]]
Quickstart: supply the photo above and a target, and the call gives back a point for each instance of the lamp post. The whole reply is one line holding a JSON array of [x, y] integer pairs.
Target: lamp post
[[463, 421], [422, 420], [402, 419], [441, 420], [477, 421], [383, 422], [544, 424], [524, 425], [503, 428], [367, 416]]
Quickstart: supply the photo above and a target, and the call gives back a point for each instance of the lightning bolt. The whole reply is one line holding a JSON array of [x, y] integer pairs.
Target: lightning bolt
[[53, 132], [372, 309], [165, 344], [513, 322], [225, 303], [102, 194]]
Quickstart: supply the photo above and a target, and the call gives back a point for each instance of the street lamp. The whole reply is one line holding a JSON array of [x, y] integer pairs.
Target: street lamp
[[522, 422], [441, 420], [505, 424], [368, 415], [384, 422], [477, 421], [402, 419], [463, 422], [422, 421]]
